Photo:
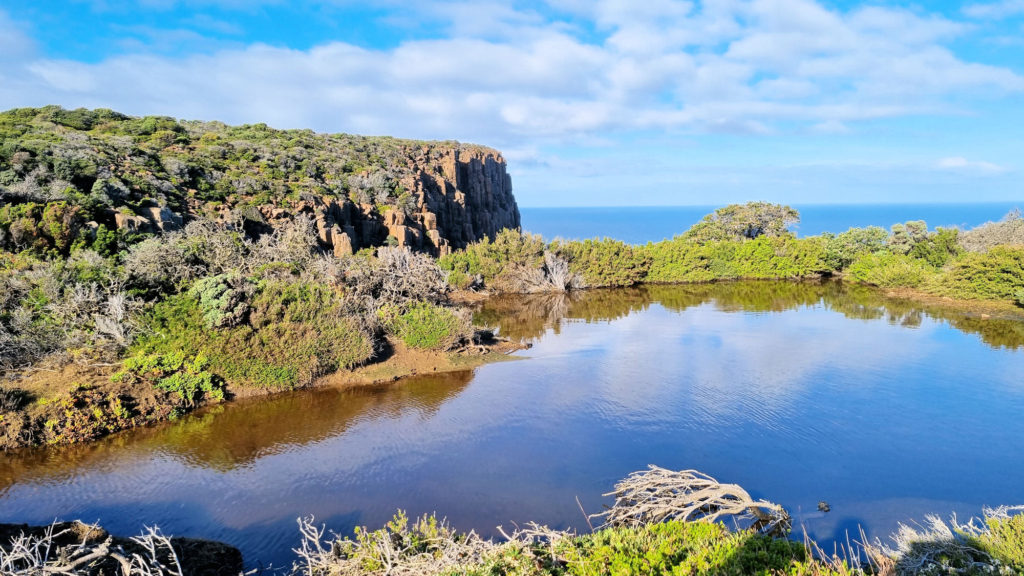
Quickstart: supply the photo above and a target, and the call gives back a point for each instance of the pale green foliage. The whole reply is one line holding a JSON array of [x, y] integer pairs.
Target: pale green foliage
[[427, 326], [744, 222], [841, 250], [889, 270], [223, 299]]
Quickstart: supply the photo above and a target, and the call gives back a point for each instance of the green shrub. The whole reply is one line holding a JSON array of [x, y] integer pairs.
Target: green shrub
[[841, 250], [222, 299], [996, 275], [1004, 541], [679, 260], [680, 548], [425, 326], [294, 333], [888, 270], [743, 222], [493, 259], [176, 373], [939, 248], [605, 262]]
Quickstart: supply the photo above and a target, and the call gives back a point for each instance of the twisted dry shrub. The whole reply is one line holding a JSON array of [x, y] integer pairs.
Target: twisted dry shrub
[[658, 495], [1008, 231], [395, 276]]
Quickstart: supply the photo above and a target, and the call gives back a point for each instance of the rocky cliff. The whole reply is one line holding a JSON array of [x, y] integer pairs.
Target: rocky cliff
[[92, 177], [458, 194]]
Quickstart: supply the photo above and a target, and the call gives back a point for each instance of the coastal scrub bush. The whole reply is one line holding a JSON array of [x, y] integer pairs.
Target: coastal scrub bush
[[937, 248], [905, 236], [997, 274], [679, 548], [223, 299], [426, 326], [842, 249], [679, 260], [295, 331], [494, 262], [176, 373], [888, 270], [604, 262], [779, 257], [744, 222], [1003, 538], [1008, 231]]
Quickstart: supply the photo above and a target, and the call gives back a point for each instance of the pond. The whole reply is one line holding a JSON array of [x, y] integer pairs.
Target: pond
[[800, 392]]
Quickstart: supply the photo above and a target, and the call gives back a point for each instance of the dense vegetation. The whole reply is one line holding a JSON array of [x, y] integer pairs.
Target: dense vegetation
[[752, 242], [208, 298], [430, 546], [65, 175]]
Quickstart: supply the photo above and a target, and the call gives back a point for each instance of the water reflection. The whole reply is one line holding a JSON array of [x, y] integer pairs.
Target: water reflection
[[528, 317], [798, 391], [226, 437]]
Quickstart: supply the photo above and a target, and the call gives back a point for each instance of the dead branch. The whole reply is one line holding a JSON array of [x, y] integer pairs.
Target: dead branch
[[658, 495]]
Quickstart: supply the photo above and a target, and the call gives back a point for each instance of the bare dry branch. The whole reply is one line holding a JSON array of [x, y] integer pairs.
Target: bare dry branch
[[658, 495]]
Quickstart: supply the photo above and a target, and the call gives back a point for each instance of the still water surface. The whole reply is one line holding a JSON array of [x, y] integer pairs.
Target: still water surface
[[799, 392]]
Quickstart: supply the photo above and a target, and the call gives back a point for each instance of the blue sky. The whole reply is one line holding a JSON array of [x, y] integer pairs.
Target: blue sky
[[602, 102]]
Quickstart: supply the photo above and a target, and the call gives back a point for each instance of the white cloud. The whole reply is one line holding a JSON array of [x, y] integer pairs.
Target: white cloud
[[509, 76], [963, 164], [995, 10]]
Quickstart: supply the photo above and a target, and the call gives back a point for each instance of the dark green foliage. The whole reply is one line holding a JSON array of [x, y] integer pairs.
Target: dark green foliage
[[744, 222], [939, 248], [605, 262]]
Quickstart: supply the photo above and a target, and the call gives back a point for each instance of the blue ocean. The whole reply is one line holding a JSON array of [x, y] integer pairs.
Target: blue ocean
[[642, 224]]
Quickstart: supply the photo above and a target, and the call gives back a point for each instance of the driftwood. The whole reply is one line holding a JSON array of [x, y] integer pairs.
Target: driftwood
[[658, 495]]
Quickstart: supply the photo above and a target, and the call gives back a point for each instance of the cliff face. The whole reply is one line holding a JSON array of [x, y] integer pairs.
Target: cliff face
[[459, 194], [73, 177]]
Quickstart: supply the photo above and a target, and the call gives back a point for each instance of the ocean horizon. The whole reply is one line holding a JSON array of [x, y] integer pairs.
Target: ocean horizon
[[642, 224]]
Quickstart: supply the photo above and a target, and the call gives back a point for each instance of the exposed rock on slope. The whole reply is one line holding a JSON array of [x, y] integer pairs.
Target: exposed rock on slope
[[88, 176], [461, 197]]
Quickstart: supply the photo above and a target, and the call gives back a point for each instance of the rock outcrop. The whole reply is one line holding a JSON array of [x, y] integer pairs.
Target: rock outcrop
[[461, 197], [75, 171]]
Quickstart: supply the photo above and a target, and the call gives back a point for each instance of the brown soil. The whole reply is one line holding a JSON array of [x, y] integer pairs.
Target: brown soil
[[983, 308], [399, 361], [77, 403]]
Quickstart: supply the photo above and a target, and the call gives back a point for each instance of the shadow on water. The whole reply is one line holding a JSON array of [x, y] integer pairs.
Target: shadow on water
[[528, 317]]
